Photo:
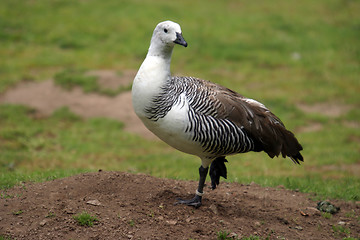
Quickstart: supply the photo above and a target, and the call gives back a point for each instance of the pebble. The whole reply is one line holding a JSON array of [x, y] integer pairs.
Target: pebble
[[312, 211], [172, 222], [43, 222], [214, 209], [257, 224], [299, 228], [233, 235], [94, 202]]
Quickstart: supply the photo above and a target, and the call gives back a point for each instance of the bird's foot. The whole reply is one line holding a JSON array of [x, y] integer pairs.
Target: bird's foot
[[195, 202], [217, 170]]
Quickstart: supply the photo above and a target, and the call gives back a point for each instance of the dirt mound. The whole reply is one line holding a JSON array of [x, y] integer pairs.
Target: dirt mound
[[130, 206]]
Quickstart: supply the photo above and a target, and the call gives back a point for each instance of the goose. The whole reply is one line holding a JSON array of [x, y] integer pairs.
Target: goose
[[202, 118]]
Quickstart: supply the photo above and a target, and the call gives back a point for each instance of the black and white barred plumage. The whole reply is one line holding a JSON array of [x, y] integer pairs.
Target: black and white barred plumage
[[217, 136], [202, 118]]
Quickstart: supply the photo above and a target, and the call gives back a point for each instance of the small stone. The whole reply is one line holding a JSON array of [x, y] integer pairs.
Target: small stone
[[214, 209], [94, 202], [299, 228], [161, 218], [172, 222], [326, 206], [257, 223], [43, 222], [311, 211], [341, 223], [232, 235]]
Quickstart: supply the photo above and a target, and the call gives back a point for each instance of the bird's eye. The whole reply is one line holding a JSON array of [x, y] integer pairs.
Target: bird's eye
[[165, 30]]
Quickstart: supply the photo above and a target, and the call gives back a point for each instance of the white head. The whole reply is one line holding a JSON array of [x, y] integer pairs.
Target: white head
[[164, 38]]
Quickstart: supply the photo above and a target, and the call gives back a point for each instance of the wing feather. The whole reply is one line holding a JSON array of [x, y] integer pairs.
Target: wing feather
[[266, 129]]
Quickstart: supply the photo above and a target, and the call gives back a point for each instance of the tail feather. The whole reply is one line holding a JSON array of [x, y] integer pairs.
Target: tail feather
[[286, 144], [296, 159], [292, 147]]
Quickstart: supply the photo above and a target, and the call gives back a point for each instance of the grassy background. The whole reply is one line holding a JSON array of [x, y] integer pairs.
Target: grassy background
[[281, 53]]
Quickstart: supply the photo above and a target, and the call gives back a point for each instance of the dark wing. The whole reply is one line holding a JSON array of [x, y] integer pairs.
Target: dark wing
[[267, 131]]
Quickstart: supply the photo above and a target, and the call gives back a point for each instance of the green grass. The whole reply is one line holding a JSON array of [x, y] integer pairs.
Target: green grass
[[223, 235], [85, 219], [18, 212], [132, 223], [5, 237], [281, 53], [50, 215], [70, 78], [341, 229]]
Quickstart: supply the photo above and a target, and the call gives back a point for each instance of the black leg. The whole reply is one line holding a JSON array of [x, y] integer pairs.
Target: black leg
[[196, 201], [202, 173]]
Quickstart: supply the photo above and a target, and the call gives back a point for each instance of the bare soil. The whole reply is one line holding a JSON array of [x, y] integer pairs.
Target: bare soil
[[327, 109], [46, 97], [136, 206]]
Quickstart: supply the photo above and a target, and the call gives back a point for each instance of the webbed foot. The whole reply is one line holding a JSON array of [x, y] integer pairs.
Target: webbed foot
[[194, 202]]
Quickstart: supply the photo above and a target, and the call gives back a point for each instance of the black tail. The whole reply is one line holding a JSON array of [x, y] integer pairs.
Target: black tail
[[298, 157], [275, 139], [285, 143]]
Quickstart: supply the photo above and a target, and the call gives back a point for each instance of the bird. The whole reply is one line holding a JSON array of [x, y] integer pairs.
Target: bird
[[202, 118]]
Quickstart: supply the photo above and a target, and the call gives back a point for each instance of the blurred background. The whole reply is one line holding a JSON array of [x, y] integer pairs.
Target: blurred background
[[66, 69]]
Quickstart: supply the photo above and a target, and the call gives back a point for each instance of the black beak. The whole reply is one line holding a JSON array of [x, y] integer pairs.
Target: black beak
[[180, 40]]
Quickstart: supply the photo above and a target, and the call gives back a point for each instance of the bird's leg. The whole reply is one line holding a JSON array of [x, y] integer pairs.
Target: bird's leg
[[196, 201]]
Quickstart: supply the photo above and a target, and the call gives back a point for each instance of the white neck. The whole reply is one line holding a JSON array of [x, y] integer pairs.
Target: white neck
[[161, 49], [153, 73]]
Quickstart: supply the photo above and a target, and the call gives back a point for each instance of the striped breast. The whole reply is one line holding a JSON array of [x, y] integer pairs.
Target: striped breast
[[203, 127]]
